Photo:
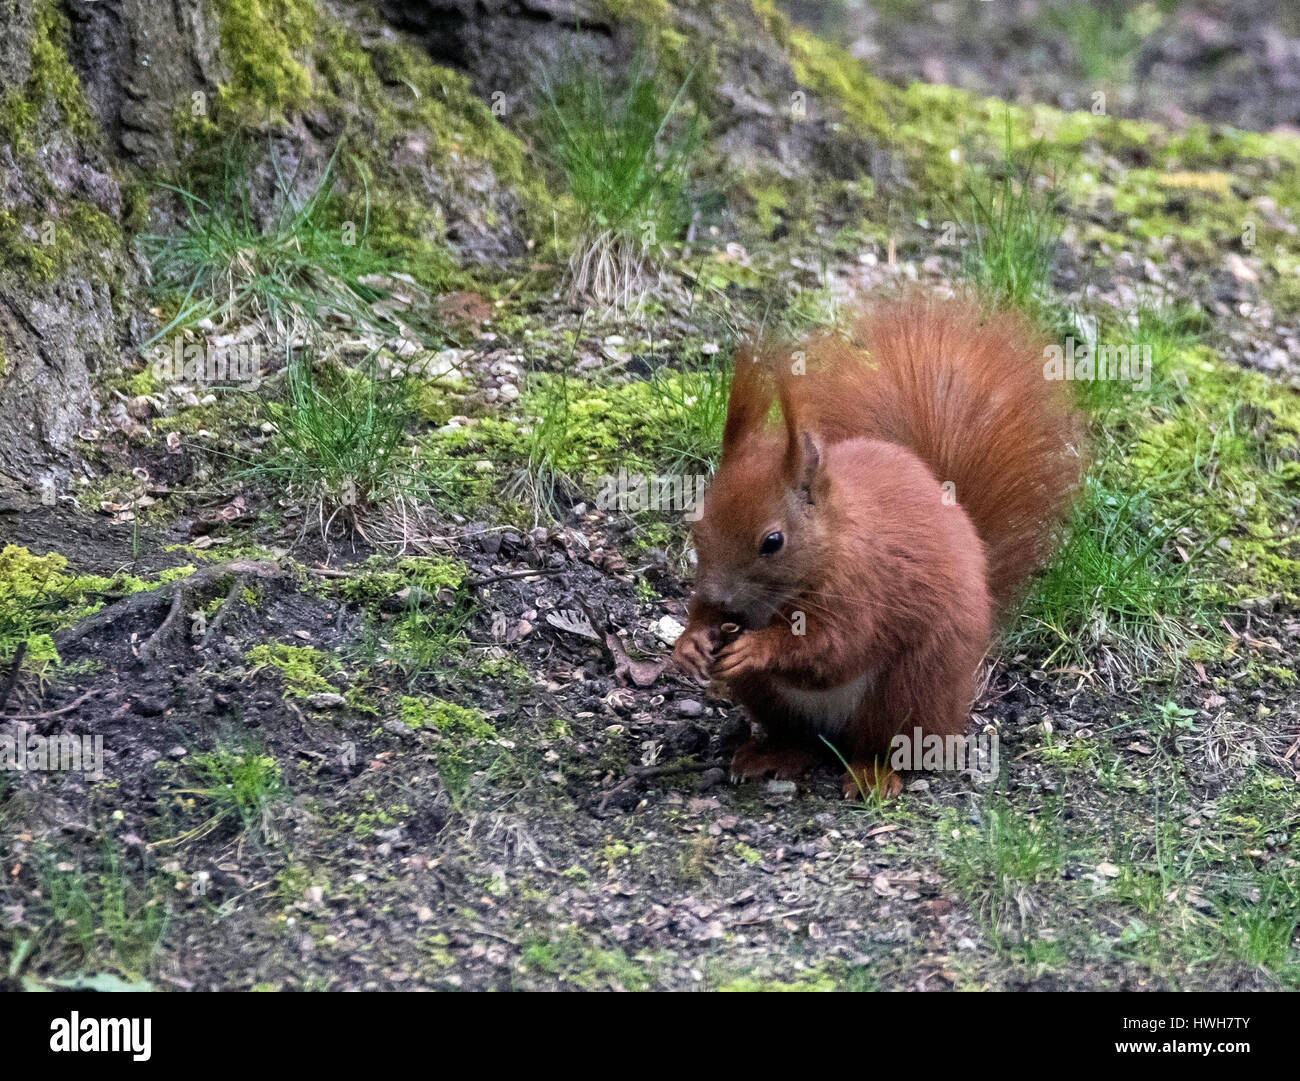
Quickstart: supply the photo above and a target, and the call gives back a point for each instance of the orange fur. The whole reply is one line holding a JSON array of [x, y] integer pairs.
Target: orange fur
[[894, 587]]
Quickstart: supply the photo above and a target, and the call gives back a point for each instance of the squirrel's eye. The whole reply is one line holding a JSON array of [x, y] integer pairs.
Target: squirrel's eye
[[771, 544]]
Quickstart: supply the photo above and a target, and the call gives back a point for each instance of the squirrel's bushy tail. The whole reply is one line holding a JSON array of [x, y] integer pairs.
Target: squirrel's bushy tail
[[962, 388]]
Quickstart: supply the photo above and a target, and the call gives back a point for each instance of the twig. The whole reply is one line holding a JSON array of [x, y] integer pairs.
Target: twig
[[474, 583], [53, 712], [645, 773], [494, 934]]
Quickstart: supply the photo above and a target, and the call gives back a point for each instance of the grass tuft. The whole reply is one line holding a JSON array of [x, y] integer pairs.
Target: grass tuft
[[625, 155], [290, 270], [338, 438], [240, 785], [1117, 598], [1011, 226], [1105, 35], [103, 918]]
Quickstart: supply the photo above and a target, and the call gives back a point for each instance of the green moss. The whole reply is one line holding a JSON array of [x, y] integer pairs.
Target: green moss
[[1257, 674], [1153, 205], [413, 112], [467, 753], [1077, 754], [582, 433], [75, 231], [831, 73], [1224, 459], [770, 205], [570, 958], [455, 722], [261, 40], [1168, 184], [372, 585], [51, 83], [796, 210], [227, 552], [20, 250], [360, 696], [363, 823], [826, 976], [435, 952], [506, 670], [401, 116], [143, 383], [618, 850], [1195, 189], [367, 822], [292, 883], [302, 668], [40, 241], [92, 227], [38, 598], [27, 585], [415, 610]]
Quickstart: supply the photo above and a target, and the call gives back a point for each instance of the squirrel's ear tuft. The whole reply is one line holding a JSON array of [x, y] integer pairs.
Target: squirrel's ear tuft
[[750, 398], [803, 452], [804, 465]]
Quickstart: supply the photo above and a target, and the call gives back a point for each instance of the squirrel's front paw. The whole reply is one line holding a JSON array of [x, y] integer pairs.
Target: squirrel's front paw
[[694, 651], [748, 655]]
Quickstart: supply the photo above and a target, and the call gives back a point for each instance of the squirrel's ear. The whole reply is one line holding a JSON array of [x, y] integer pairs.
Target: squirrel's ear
[[750, 398], [805, 465], [803, 451]]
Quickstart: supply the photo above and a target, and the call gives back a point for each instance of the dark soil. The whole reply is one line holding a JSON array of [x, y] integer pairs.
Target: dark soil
[[1231, 62]]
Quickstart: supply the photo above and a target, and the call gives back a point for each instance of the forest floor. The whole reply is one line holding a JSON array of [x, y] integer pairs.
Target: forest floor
[[439, 744]]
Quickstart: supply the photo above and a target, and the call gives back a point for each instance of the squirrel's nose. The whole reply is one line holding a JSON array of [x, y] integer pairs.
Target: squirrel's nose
[[712, 593]]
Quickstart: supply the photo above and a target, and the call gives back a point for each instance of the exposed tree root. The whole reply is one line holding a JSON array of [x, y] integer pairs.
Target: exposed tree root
[[227, 606], [149, 651], [175, 596]]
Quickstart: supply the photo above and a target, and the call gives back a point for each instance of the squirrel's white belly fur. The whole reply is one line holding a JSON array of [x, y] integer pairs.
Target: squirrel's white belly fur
[[828, 711]]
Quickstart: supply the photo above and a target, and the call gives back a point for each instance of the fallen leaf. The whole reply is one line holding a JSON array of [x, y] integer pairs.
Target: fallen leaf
[[572, 621]]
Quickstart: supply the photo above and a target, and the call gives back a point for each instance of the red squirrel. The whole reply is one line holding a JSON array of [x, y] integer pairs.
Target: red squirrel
[[865, 545]]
